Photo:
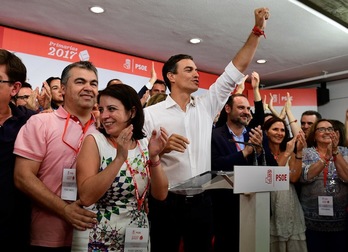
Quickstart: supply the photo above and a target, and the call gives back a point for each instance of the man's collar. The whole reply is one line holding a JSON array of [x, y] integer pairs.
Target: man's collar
[[61, 112], [231, 132], [170, 102]]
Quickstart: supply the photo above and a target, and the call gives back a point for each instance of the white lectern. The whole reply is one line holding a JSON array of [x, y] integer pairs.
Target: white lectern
[[255, 183]]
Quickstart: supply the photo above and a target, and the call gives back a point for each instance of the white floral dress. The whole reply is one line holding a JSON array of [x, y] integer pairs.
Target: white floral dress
[[287, 222], [118, 208]]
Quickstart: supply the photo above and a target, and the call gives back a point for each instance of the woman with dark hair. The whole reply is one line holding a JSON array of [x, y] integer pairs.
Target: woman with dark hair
[[114, 170], [340, 130], [324, 193], [287, 227], [56, 91]]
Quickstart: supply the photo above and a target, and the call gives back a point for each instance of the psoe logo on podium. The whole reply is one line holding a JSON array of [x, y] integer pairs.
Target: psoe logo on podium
[[248, 179]]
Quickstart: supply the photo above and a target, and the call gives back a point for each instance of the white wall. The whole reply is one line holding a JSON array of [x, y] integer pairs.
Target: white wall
[[336, 108], [40, 68]]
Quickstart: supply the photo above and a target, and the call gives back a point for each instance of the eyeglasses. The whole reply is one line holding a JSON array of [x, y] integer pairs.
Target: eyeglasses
[[24, 97], [323, 129], [6, 81]]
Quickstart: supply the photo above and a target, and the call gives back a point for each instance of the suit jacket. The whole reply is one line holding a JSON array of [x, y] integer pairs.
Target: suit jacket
[[142, 91], [225, 154]]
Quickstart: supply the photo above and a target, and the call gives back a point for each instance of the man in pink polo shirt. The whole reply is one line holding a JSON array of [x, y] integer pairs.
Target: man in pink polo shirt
[[46, 149]]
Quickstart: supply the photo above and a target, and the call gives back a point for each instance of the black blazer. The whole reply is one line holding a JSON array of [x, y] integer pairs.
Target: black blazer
[[142, 91], [224, 153], [226, 204]]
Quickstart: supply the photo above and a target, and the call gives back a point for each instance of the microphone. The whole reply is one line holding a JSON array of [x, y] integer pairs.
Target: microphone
[[255, 162], [245, 143]]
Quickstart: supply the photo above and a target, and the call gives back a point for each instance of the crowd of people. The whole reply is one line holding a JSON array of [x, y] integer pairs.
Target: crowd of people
[[83, 169]]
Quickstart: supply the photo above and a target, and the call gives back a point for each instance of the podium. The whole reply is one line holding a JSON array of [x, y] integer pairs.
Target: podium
[[254, 183], [205, 181]]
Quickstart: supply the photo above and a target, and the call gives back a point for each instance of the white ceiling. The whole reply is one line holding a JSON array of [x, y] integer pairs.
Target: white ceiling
[[299, 46]]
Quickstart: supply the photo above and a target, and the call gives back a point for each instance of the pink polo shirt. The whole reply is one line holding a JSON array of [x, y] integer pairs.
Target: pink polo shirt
[[42, 139]]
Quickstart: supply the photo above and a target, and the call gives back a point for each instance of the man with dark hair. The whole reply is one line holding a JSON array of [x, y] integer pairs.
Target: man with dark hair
[[33, 99], [23, 95], [15, 207], [149, 90], [189, 121], [46, 149], [152, 87], [234, 120], [159, 87], [308, 118], [114, 82]]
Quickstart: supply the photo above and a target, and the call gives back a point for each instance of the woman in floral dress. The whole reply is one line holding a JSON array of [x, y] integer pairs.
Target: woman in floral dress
[[287, 226], [114, 171]]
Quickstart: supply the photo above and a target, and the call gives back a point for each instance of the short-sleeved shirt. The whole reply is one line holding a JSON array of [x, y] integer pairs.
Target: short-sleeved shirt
[[42, 140]]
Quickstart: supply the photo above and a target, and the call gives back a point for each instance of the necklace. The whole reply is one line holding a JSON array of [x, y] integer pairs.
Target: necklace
[[133, 172], [275, 156]]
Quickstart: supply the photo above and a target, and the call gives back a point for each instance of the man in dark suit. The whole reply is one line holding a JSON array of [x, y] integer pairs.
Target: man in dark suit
[[225, 154]]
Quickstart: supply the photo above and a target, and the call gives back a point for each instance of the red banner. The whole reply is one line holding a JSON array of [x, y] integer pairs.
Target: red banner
[[38, 45]]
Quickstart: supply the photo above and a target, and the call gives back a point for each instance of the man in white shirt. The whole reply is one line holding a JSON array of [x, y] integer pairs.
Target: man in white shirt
[[189, 120]]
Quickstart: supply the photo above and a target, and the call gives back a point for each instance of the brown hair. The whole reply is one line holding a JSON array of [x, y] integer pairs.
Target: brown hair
[[15, 69], [156, 99]]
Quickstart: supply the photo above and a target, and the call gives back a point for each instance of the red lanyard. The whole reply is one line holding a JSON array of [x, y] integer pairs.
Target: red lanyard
[[140, 198], [275, 156], [84, 130], [325, 171]]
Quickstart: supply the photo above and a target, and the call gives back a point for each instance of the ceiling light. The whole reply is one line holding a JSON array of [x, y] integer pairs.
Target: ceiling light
[[195, 40], [261, 61], [96, 9]]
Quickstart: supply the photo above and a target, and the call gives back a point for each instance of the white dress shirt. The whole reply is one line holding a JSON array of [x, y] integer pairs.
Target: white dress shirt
[[195, 124]]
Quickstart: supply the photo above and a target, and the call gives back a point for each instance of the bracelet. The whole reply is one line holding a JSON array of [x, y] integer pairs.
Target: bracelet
[[322, 161], [335, 153], [258, 32], [294, 121], [298, 157], [154, 164]]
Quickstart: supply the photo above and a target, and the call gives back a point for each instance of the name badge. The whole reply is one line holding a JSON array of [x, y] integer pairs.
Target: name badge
[[325, 204], [69, 187], [136, 239]]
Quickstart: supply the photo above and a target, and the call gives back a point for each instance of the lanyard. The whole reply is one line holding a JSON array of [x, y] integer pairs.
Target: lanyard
[[238, 146], [84, 130], [326, 170], [140, 198], [275, 156]]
